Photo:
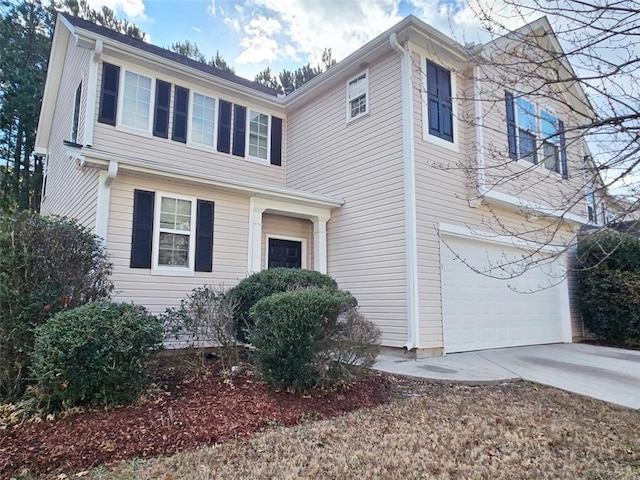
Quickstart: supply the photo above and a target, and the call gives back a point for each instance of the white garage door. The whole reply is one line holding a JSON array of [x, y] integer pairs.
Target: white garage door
[[482, 312]]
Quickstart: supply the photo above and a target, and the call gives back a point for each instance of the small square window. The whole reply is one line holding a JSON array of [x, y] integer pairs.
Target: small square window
[[357, 96]]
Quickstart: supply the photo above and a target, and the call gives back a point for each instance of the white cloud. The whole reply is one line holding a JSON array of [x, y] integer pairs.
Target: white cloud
[[195, 29], [132, 9]]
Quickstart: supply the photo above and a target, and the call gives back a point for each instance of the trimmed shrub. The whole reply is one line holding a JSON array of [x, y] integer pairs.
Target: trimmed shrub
[[47, 265], [267, 282], [608, 286], [309, 338], [94, 355], [204, 319]]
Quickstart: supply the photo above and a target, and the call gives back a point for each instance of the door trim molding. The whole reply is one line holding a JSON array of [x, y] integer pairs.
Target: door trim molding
[[303, 248]]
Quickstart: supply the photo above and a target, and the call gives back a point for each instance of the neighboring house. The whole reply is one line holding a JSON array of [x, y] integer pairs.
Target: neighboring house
[[192, 175]]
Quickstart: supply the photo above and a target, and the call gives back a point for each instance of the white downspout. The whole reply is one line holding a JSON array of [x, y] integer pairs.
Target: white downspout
[[477, 94], [408, 155]]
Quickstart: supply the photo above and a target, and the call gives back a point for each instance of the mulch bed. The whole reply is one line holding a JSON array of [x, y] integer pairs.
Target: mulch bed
[[181, 415]]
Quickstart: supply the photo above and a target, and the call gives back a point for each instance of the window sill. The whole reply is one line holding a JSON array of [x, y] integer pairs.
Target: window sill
[[134, 131], [261, 161], [453, 146], [172, 272], [358, 117]]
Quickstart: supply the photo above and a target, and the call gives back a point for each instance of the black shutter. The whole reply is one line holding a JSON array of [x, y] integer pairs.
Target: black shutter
[[239, 130], [563, 150], [180, 114], [511, 125], [161, 117], [276, 141], [142, 237], [224, 127], [204, 236], [446, 107], [109, 94]]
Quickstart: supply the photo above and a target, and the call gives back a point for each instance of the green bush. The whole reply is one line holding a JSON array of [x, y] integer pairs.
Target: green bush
[[267, 282], [94, 355], [46, 265], [309, 338], [608, 286]]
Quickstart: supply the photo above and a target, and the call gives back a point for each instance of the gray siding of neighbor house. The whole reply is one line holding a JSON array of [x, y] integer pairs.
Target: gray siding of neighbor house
[[361, 162]]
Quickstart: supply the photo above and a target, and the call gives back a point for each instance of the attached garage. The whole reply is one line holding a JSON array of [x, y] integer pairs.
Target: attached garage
[[484, 308]]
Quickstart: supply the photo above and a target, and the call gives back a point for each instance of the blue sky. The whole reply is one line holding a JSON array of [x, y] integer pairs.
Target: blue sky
[[253, 34]]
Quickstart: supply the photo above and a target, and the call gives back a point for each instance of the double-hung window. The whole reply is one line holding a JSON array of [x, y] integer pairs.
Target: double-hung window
[[258, 135], [535, 135], [136, 101], [203, 114], [175, 232], [357, 96]]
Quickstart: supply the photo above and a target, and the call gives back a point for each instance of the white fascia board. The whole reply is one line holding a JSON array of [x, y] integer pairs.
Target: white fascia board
[[101, 159], [52, 85], [113, 46], [510, 201]]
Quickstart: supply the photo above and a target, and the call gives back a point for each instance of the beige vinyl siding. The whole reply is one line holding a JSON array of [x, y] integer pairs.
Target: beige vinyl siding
[[71, 191], [280, 226], [165, 154], [521, 178], [442, 196], [157, 292], [360, 162]]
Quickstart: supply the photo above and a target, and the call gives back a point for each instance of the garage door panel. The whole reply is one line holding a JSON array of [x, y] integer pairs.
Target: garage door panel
[[483, 312]]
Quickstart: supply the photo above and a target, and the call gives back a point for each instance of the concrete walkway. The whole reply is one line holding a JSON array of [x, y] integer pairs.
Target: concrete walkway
[[608, 374]]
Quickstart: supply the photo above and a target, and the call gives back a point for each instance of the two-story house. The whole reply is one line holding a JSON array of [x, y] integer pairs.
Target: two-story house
[[407, 172]]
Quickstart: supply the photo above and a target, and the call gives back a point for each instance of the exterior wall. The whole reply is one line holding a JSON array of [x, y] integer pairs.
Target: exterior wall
[[360, 162], [70, 191], [149, 151], [442, 196], [521, 178], [279, 226], [157, 292]]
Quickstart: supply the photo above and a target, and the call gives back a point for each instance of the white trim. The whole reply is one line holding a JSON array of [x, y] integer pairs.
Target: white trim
[[507, 240], [426, 136], [409, 169], [317, 215], [248, 156], [166, 269], [477, 93], [152, 94], [104, 198], [101, 159], [92, 95], [504, 199], [197, 145], [303, 248], [565, 307], [366, 96]]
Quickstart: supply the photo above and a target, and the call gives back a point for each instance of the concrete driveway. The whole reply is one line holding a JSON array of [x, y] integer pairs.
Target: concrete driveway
[[608, 374]]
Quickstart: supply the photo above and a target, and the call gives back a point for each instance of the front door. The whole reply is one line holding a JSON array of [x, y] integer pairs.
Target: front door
[[284, 253]]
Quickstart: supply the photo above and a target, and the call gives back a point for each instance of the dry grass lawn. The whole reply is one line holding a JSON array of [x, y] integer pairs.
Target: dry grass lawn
[[510, 431]]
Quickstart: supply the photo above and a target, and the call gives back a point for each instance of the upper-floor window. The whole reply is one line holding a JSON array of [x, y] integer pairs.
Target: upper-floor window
[[258, 135], [592, 206], [358, 96], [146, 105], [203, 113], [136, 101], [76, 114], [535, 135], [439, 102]]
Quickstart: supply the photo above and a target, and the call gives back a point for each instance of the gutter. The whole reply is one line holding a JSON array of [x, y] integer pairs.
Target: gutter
[[409, 164]]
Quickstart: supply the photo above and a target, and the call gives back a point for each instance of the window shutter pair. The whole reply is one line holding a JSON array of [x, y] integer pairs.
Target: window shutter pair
[[239, 134], [142, 235]]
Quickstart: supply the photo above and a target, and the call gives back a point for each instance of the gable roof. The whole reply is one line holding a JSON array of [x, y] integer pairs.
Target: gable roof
[[164, 53]]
